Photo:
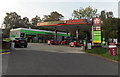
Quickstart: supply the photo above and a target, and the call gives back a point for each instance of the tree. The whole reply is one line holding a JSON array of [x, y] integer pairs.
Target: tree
[[12, 20], [26, 22], [84, 13], [54, 16], [109, 14], [118, 32], [110, 28], [35, 20], [103, 15]]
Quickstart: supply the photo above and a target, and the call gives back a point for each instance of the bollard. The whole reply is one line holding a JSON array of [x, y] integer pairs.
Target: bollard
[[83, 47], [103, 43], [30, 40], [12, 44], [89, 46]]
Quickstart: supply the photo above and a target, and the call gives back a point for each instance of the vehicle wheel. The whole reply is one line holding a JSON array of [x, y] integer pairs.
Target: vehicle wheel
[[25, 46]]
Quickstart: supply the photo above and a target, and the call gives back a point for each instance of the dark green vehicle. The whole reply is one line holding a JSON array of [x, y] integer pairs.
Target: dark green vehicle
[[20, 42]]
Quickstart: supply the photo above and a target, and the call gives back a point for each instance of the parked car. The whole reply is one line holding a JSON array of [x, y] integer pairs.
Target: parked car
[[19, 42]]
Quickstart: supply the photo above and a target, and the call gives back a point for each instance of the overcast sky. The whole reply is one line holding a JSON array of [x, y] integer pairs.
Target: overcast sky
[[31, 8]]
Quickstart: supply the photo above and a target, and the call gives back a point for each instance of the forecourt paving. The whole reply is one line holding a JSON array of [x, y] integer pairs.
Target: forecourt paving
[[43, 59]]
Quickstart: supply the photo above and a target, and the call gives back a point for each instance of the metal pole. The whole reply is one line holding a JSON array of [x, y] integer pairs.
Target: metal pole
[[92, 36], [67, 33], [55, 34], [67, 38], [77, 34]]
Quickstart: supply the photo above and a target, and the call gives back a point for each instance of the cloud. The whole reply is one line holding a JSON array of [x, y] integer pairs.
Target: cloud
[[69, 0]]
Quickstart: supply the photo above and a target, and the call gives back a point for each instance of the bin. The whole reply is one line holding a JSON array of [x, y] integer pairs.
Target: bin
[[113, 49]]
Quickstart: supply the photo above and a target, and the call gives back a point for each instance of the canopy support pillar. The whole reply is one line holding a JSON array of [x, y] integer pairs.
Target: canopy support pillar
[[55, 34], [77, 34]]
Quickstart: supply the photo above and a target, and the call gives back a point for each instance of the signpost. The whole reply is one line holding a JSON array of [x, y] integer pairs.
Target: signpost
[[96, 31]]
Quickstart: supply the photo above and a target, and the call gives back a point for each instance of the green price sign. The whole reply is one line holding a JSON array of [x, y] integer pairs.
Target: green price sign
[[97, 37]]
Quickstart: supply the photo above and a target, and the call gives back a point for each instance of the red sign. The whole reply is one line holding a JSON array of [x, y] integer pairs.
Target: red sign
[[65, 22], [97, 21], [76, 21]]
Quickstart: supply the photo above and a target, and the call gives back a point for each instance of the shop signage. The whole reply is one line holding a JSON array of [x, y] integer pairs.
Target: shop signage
[[96, 21], [77, 21]]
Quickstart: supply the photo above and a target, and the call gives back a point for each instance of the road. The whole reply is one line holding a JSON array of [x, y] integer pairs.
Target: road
[[43, 59]]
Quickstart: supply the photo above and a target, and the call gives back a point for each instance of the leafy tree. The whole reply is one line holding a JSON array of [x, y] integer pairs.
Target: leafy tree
[[84, 13], [54, 16], [26, 22], [103, 15], [35, 20], [118, 28], [109, 14], [12, 20], [110, 28]]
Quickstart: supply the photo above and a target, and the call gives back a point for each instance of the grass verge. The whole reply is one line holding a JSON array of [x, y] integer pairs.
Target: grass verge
[[4, 51], [1, 50], [104, 52]]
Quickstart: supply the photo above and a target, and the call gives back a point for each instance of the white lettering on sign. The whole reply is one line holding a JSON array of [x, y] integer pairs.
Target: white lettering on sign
[[98, 28]]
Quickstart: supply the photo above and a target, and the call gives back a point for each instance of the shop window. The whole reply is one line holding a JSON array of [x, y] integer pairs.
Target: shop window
[[22, 34]]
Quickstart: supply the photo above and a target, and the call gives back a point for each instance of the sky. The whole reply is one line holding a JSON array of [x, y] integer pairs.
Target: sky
[[31, 8]]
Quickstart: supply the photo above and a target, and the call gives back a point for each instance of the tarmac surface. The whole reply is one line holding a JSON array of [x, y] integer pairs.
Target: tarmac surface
[[43, 59]]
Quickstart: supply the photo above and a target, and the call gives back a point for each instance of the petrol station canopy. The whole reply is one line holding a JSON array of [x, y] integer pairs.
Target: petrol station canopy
[[66, 25]]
